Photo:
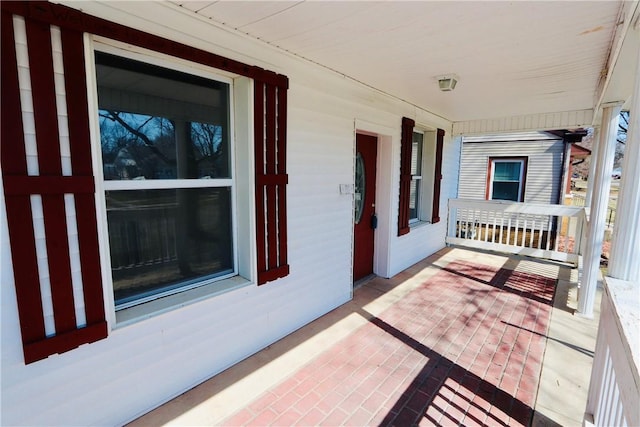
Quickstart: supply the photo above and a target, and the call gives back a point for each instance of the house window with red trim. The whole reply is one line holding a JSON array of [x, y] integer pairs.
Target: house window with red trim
[[168, 177], [506, 179]]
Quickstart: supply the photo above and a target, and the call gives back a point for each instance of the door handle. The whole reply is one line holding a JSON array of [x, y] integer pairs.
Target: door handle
[[374, 221]]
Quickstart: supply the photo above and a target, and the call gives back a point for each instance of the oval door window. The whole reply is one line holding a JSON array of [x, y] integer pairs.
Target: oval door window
[[360, 188]]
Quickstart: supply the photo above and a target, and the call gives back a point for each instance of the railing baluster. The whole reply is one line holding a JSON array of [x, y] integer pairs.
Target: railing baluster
[[466, 233], [486, 227], [493, 235], [611, 384], [540, 233], [577, 249], [568, 235], [617, 415], [509, 230], [549, 222], [484, 224], [556, 233], [533, 230], [597, 415]]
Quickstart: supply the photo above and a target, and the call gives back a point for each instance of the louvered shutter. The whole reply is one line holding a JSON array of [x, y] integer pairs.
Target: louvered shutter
[[67, 199], [270, 121], [435, 211], [405, 175]]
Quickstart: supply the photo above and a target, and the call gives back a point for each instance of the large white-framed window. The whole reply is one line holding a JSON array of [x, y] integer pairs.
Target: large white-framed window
[[506, 179], [167, 158]]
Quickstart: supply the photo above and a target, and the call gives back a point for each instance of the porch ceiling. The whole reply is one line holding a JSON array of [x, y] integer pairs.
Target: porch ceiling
[[512, 58]]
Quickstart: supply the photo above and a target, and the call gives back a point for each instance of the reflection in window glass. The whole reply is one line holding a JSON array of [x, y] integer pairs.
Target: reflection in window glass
[[507, 171], [161, 124], [507, 180], [161, 238]]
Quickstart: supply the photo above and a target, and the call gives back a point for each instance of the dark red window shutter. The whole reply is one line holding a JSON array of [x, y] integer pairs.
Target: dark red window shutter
[[435, 211], [405, 175], [51, 185], [270, 155], [270, 121]]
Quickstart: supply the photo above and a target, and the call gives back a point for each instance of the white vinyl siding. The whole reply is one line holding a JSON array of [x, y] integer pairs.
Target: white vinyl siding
[[84, 386], [530, 122]]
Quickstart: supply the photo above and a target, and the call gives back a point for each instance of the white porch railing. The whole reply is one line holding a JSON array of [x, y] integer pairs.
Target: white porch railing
[[542, 231], [614, 392]]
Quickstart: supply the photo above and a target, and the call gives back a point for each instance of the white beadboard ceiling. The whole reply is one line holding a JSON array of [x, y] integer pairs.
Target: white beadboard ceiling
[[512, 58]]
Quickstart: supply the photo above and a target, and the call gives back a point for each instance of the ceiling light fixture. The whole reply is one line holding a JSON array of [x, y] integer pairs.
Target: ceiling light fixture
[[447, 83]]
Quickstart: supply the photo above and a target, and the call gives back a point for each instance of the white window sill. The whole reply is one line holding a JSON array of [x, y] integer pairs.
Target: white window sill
[[158, 306], [418, 224]]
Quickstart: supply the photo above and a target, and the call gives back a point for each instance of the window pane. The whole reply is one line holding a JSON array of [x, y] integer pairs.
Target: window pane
[[416, 154], [505, 190], [414, 198], [164, 239], [157, 123], [506, 171]]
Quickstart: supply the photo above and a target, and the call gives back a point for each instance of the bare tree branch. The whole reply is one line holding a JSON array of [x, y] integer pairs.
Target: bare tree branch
[[115, 116]]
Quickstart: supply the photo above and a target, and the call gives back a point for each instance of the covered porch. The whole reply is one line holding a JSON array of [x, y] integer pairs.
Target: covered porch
[[463, 337]]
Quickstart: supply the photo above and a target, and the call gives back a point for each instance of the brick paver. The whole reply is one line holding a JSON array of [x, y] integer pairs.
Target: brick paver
[[464, 348]]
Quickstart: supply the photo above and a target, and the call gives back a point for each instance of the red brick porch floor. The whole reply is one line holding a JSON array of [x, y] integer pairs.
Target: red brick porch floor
[[458, 341]]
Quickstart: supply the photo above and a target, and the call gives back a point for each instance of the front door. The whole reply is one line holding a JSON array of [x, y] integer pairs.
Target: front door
[[365, 203]]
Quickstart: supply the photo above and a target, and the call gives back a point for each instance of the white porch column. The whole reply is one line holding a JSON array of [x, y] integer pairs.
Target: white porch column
[[592, 167], [600, 201], [624, 263]]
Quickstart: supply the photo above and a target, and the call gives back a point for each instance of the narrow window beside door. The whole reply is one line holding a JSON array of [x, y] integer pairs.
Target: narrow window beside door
[[416, 177], [420, 176]]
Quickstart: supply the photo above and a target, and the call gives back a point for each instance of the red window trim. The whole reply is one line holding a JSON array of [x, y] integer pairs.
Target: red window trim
[[51, 185]]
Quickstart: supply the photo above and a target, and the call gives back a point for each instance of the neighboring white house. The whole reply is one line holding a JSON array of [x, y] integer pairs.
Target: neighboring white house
[[521, 167], [179, 193]]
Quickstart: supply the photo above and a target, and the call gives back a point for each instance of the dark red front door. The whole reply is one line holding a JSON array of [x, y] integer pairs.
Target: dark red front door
[[365, 203]]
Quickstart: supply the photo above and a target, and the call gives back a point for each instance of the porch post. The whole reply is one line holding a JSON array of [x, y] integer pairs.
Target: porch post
[[600, 201], [592, 167], [625, 247]]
